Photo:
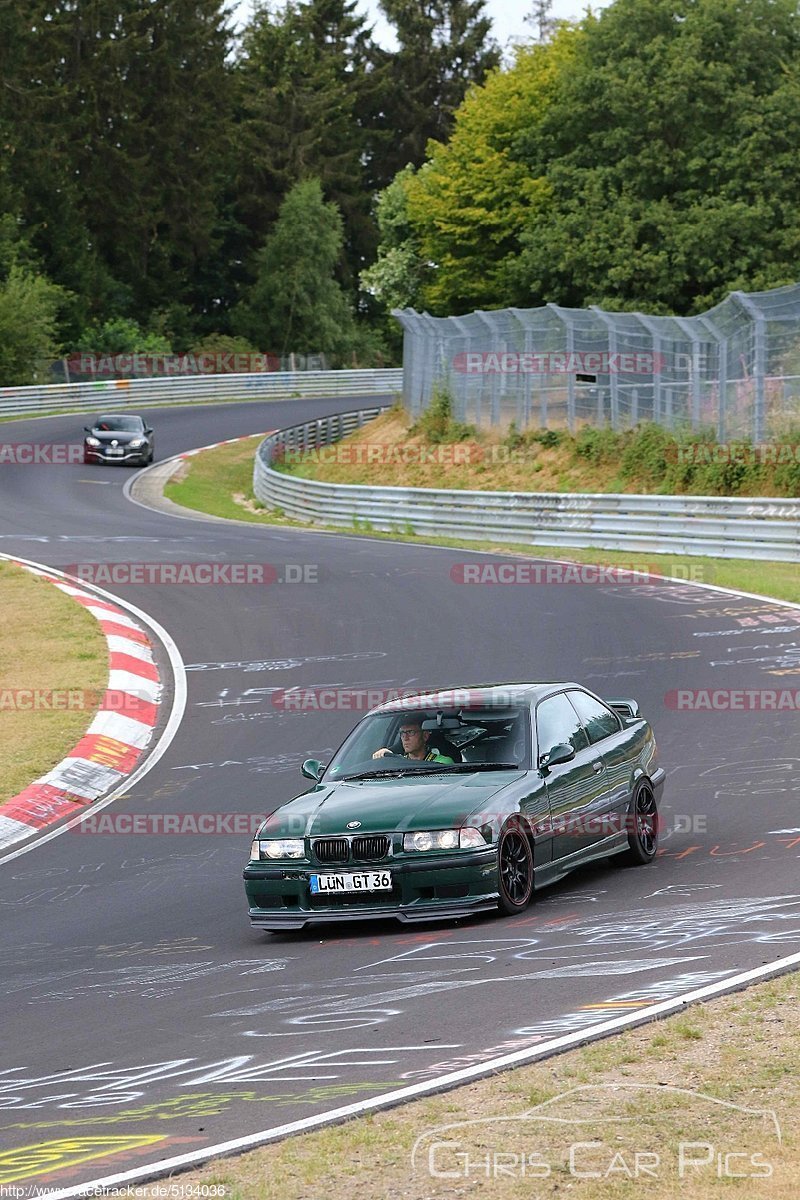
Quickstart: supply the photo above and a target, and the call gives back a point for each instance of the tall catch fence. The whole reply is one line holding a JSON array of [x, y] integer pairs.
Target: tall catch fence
[[734, 369]]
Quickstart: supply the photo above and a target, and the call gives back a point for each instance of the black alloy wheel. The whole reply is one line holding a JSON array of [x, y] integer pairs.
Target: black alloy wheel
[[515, 871], [643, 828]]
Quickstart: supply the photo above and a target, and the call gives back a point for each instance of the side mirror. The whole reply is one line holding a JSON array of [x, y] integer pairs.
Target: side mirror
[[87, 429], [312, 769], [148, 432], [561, 753]]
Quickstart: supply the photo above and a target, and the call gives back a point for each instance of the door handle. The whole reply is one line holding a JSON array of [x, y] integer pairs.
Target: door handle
[[597, 767]]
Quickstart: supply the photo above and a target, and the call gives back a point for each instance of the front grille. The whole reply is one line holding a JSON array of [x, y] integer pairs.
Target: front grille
[[354, 899], [331, 850], [370, 848]]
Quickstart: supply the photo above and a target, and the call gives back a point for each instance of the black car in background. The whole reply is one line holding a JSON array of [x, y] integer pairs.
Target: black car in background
[[119, 439]]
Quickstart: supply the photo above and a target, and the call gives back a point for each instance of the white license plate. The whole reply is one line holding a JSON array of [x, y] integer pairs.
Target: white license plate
[[114, 450], [364, 881]]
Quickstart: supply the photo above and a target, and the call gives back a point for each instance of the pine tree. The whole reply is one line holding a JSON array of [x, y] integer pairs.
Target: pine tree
[[295, 304], [541, 19], [121, 115], [307, 86], [444, 47]]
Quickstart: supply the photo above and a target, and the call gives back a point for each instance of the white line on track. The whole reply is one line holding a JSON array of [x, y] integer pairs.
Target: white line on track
[[182, 1162]]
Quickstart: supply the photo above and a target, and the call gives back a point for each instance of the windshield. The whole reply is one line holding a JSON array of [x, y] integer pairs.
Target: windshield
[[413, 742], [119, 424]]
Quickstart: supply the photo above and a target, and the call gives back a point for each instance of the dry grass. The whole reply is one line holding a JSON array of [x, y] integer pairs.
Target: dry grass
[[486, 461], [742, 1050], [545, 469], [48, 644]]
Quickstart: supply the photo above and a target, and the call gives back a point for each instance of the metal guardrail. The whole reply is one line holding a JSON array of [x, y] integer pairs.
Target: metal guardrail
[[189, 389], [705, 525]]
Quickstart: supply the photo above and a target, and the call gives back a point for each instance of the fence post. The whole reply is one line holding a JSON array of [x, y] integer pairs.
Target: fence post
[[613, 375], [569, 330], [760, 361]]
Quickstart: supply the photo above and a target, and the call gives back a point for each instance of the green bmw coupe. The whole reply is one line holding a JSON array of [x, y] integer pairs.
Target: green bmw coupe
[[449, 803]]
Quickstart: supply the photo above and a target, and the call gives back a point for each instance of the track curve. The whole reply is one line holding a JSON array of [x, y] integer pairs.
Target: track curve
[[139, 1011]]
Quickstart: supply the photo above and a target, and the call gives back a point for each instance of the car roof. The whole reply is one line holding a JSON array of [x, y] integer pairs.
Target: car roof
[[476, 695], [116, 417]]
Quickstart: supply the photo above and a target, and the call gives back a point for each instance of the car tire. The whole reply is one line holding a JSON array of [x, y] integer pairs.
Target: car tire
[[514, 870], [643, 822]]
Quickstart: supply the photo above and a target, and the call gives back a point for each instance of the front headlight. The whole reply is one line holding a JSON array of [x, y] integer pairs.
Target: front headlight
[[278, 848], [135, 443], [443, 839], [90, 441]]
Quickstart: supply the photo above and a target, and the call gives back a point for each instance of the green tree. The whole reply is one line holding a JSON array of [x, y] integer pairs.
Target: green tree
[[670, 151], [120, 115], [307, 92], [541, 19], [467, 206], [395, 278], [121, 335], [296, 305], [29, 309], [444, 46], [30, 306]]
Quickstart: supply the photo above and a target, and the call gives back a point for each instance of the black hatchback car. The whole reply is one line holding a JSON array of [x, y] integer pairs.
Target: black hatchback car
[[119, 439]]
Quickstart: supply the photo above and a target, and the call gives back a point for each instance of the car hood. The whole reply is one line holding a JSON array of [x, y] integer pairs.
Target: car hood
[[439, 802]]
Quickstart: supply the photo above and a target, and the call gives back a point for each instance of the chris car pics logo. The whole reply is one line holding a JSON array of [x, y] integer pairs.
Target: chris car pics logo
[[607, 1132]]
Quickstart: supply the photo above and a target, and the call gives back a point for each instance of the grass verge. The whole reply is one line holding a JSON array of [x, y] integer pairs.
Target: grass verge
[[220, 482], [53, 673], [670, 1139]]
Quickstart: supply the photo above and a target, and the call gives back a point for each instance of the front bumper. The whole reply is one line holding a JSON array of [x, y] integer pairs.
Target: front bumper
[[448, 887], [95, 454]]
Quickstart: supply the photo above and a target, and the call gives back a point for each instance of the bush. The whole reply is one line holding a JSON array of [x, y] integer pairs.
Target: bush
[[29, 305], [548, 438], [598, 445], [121, 335], [436, 423], [650, 453]]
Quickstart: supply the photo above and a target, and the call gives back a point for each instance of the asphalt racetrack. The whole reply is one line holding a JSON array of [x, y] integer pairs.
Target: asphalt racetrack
[[142, 1018]]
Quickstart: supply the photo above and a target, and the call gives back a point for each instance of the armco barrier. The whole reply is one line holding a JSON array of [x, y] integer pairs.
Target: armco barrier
[[710, 525], [188, 389]]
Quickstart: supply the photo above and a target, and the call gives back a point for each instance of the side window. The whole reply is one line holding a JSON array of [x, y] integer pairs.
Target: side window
[[557, 722], [599, 720]]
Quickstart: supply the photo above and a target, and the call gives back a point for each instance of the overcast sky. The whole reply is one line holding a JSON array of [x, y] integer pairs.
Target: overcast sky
[[507, 16]]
